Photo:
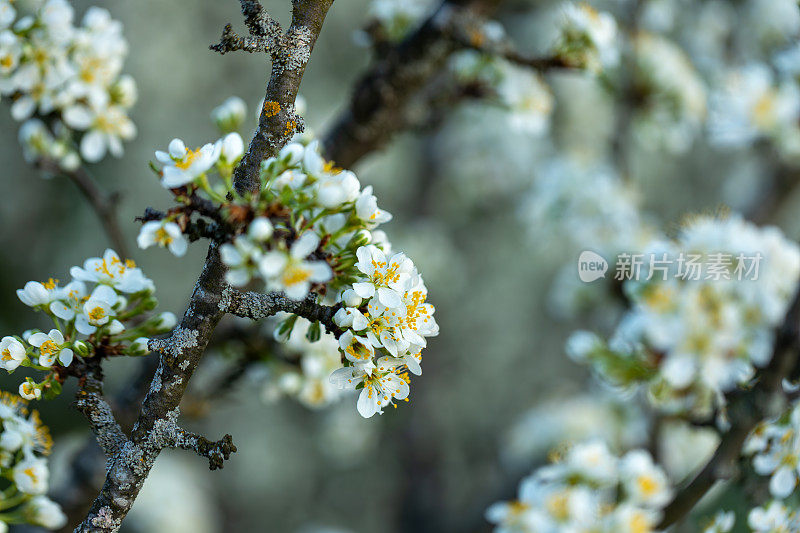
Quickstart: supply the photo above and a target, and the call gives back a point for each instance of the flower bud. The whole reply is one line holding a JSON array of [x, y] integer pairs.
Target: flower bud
[[350, 298], [116, 327], [150, 303], [80, 348], [343, 318], [360, 238], [291, 154], [260, 229], [166, 321], [139, 346], [124, 91], [121, 302], [230, 115]]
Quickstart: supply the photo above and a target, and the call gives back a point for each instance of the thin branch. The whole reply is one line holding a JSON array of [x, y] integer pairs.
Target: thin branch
[[380, 97], [217, 452], [256, 305], [745, 410], [266, 34], [466, 36], [278, 121], [104, 205], [90, 401]]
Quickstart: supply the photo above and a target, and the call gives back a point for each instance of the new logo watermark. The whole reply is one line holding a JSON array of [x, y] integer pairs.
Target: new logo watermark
[[716, 266], [591, 266]]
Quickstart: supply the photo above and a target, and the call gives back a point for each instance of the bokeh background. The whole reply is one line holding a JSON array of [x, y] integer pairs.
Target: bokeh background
[[459, 192]]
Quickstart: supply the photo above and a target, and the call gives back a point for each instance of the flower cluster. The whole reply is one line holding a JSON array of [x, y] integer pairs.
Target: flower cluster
[[97, 314], [588, 489], [327, 216], [24, 442], [309, 229], [692, 340], [65, 81], [387, 320], [588, 39]]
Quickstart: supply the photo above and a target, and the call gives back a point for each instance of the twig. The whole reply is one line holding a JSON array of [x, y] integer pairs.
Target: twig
[[217, 452], [266, 34], [90, 401], [256, 305]]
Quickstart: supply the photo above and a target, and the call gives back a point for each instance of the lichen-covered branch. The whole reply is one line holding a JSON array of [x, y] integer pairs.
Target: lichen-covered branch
[[256, 305], [90, 401], [266, 34], [156, 427], [745, 410], [217, 452], [278, 121], [381, 96], [103, 204]]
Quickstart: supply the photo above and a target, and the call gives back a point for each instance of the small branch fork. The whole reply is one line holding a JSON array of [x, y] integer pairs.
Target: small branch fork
[[156, 427], [290, 52], [745, 410]]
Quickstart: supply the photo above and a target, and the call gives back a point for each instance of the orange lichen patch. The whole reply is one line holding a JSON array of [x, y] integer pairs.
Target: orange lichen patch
[[270, 108], [290, 127]]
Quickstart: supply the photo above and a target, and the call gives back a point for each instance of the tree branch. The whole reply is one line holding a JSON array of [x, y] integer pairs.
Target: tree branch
[[256, 305], [266, 34], [746, 409], [180, 354], [380, 97], [89, 400], [217, 452], [278, 121]]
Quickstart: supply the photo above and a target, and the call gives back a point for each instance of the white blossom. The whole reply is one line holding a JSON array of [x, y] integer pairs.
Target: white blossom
[[51, 348], [183, 166], [164, 234]]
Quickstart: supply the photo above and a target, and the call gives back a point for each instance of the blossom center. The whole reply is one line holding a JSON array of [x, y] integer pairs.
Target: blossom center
[[48, 348], [188, 159], [162, 237], [295, 274]]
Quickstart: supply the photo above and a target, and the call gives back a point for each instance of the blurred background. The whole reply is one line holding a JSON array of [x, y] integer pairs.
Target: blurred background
[[493, 217]]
